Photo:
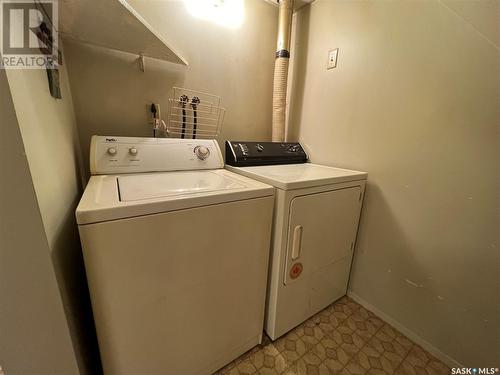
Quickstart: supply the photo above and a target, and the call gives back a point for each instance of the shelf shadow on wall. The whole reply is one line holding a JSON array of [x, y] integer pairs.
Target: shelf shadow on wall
[[112, 96]]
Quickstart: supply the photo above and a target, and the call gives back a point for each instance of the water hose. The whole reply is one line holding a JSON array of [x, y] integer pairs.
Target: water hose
[[194, 101], [183, 100]]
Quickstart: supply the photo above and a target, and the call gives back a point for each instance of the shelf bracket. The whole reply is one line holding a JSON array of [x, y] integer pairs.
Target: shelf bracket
[[142, 64]]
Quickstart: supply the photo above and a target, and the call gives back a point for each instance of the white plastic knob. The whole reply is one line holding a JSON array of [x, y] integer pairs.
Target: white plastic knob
[[132, 151], [202, 152], [112, 151]]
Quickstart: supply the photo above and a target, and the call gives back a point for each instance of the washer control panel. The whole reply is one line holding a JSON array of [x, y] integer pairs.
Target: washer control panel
[[110, 155], [242, 154]]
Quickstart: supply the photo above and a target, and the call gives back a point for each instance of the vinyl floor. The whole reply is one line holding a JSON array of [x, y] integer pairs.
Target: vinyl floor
[[344, 338]]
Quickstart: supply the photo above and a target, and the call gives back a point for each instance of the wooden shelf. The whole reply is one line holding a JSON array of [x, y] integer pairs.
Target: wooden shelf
[[113, 24]]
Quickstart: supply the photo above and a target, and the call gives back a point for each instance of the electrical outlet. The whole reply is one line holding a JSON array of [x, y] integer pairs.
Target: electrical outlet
[[332, 58]]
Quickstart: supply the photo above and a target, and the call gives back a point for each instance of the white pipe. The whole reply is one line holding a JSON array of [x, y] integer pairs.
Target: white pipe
[[281, 70]]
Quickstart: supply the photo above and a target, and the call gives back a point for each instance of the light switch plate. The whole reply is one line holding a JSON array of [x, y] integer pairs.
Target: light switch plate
[[332, 58]]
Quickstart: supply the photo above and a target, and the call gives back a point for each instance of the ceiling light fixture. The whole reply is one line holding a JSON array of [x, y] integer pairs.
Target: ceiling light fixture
[[228, 13]]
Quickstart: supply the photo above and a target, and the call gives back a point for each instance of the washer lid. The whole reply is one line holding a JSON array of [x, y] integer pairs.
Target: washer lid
[[112, 197], [157, 185], [297, 176]]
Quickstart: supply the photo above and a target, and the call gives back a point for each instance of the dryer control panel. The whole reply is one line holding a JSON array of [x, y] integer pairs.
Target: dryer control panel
[[112, 155], [242, 154]]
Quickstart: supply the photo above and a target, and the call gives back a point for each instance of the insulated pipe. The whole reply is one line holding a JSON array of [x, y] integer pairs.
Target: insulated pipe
[[281, 69]]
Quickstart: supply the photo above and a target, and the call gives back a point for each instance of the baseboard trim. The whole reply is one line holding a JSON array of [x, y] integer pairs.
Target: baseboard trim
[[445, 358]]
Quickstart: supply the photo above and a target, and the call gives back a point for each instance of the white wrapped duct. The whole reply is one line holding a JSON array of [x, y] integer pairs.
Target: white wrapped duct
[[279, 98], [281, 70]]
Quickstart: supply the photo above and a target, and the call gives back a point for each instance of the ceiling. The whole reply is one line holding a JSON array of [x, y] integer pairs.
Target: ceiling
[[297, 4]]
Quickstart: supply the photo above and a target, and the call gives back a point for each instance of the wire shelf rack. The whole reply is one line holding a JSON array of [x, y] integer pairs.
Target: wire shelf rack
[[194, 114]]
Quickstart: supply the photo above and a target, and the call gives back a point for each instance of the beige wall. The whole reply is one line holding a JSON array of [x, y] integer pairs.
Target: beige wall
[[34, 335], [414, 102], [111, 95], [50, 139]]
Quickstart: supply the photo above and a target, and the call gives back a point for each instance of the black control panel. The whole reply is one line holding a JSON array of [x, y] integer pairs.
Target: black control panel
[[244, 154]]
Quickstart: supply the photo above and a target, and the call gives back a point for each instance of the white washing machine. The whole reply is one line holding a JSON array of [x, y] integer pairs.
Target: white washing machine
[[315, 223], [176, 252]]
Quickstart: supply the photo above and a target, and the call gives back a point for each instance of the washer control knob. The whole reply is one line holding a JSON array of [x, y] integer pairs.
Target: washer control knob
[[112, 151], [202, 152], [133, 151]]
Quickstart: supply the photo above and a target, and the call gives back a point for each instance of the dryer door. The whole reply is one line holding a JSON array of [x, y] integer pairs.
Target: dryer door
[[322, 229]]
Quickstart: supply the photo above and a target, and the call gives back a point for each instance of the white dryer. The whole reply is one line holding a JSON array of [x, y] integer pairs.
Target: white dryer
[[176, 252], [315, 223]]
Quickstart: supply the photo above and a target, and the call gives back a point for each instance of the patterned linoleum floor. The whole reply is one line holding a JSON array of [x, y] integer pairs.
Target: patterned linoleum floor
[[344, 338]]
